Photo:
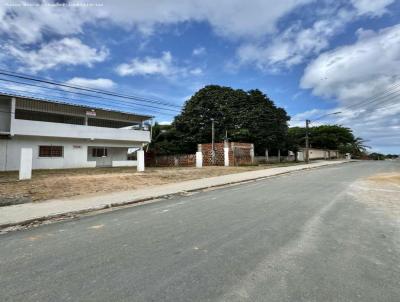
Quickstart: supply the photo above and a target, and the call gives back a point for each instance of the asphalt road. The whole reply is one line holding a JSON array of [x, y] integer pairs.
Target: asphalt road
[[299, 237]]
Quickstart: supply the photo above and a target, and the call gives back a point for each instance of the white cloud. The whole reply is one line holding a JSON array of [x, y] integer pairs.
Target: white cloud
[[196, 71], [148, 66], [297, 43], [67, 51], [294, 45], [165, 123], [356, 71], [28, 24], [162, 66], [364, 78], [229, 18], [199, 51], [99, 83], [372, 7]]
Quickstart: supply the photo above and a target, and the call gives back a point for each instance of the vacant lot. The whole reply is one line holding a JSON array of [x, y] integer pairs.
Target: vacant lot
[[49, 184]]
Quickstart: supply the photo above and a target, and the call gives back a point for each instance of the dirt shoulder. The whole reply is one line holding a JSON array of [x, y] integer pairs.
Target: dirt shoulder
[[380, 192], [49, 184]]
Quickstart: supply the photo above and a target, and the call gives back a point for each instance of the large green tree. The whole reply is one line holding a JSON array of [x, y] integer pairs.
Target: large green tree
[[327, 137], [245, 116]]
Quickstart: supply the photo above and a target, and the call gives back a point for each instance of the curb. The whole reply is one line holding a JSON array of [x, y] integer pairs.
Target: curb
[[74, 214]]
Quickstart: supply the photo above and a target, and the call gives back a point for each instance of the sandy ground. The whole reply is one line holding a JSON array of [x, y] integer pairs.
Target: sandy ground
[[380, 192], [49, 184]]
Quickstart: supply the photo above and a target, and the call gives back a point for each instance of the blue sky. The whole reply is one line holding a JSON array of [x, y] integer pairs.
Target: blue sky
[[310, 57]]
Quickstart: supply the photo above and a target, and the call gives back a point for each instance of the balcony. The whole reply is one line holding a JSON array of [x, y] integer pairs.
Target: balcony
[[48, 129]]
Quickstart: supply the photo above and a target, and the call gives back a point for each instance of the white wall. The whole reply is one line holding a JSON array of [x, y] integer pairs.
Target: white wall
[[5, 115], [318, 154], [46, 129], [75, 152], [124, 163], [3, 154]]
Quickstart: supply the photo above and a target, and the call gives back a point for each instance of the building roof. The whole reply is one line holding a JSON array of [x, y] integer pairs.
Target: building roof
[[140, 116]]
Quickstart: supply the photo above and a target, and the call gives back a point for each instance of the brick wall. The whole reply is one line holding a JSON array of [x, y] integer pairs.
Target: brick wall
[[239, 153]]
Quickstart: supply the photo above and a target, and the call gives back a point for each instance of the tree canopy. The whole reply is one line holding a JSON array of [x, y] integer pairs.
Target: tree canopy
[[327, 137], [245, 116]]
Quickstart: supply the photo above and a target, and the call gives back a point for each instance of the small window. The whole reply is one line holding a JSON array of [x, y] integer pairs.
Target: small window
[[132, 156], [51, 151], [99, 152]]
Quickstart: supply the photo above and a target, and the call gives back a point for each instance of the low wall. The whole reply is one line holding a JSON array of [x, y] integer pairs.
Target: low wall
[[274, 159], [124, 163], [180, 160]]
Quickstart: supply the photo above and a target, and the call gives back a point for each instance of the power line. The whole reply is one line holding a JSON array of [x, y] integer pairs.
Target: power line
[[85, 94], [79, 87], [387, 95], [370, 100]]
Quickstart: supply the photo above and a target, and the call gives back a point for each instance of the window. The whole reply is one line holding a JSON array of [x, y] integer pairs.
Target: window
[[99, 152], [132, 156], [51, 151], [23, 114]]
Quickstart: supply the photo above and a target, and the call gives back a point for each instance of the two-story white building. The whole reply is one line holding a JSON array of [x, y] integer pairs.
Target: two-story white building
[[63, 135]]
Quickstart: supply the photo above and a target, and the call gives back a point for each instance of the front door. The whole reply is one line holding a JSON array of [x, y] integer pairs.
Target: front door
[[102, 155]]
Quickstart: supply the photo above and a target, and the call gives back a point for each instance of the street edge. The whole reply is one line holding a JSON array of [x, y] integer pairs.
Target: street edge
[[75, 214]]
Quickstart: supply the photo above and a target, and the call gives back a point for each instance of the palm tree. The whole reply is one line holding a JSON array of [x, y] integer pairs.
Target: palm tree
[[359, 146]]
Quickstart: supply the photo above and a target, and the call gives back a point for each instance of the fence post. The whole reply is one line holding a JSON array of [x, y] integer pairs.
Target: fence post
[[226, 157], [252, 153], [25, 169], [199, 159], [140, 161]]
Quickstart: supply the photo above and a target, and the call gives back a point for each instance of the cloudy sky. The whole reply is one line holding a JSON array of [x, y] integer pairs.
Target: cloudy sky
[[310, 57]]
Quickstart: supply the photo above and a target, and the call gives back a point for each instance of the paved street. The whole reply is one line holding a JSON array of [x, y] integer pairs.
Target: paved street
[[299, 237]]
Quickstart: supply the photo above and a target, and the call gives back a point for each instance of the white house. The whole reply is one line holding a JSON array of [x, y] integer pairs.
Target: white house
[[63, 135]]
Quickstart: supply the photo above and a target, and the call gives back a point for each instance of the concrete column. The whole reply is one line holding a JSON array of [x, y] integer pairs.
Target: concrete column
[[199, 159], [25, 168], [226, 157], [12, 118], [140, 161], [252, 153]]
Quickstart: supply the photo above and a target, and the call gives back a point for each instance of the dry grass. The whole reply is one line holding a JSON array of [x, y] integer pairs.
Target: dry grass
[[49, 184]]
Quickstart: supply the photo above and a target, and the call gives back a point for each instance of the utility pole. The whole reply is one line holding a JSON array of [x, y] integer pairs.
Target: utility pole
[[307, 157], [307, 142], [212, 142]]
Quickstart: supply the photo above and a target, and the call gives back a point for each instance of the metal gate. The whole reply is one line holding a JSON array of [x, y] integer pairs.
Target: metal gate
[[241, 155]]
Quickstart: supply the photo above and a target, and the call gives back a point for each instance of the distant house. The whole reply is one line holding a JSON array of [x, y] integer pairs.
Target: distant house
[[63, 135]]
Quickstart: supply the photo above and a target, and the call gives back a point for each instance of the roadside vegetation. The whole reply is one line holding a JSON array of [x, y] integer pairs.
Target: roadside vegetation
[[249, 117]]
